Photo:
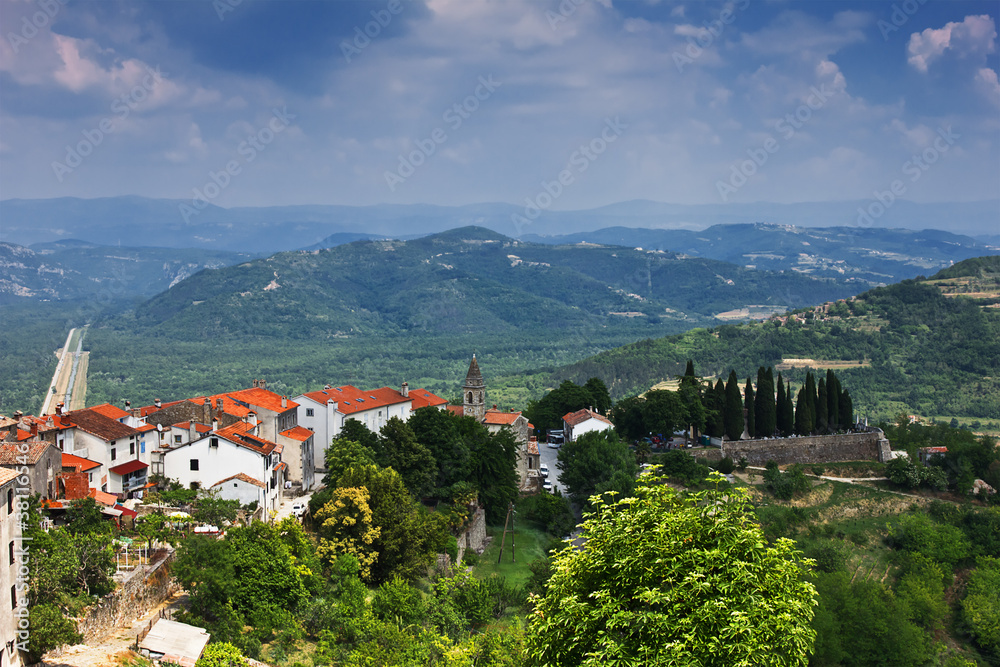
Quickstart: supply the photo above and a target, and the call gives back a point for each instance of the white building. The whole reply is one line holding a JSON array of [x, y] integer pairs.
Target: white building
[[222, 454], [583, 421], [298, 453], [13, 594], [325, 411]]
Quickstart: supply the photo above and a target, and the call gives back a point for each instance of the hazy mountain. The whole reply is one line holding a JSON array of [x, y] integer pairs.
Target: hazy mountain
[[875, 255], [74, 269], [467, 280], [134, 220]]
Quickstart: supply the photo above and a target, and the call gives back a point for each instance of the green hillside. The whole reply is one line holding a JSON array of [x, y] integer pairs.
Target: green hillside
[[380, 312], [930, 347]]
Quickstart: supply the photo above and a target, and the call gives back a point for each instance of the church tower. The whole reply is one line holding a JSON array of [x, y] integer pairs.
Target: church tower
[[474, 392]]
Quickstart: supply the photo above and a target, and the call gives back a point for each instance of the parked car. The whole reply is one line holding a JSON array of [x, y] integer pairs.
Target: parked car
[[299, 509], [544, 470], [547, 487]]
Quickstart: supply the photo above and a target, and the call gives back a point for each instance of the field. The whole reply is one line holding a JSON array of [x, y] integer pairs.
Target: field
[[834, 364], [529, 545]]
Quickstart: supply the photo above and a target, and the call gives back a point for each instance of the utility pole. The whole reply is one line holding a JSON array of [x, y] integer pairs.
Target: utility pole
[[503, 539]]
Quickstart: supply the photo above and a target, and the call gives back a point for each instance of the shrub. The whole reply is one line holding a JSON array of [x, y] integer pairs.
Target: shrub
[[725, 465]]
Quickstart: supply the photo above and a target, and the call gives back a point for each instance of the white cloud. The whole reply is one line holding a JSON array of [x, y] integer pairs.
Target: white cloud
[[975, 36], [987, 83]]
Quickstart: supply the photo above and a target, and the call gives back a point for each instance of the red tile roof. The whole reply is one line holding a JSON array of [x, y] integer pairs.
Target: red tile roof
[[243, 477], [457, 410], [25, 453], [422, 399], [237, 434], [110, 411], [103, 498], [99, 425], [199, 428], [580, 416], [78, 463], [131, 466], [500, 418], [351, 400], [300, 433], [259, 397], [145, 428], [7, 476]]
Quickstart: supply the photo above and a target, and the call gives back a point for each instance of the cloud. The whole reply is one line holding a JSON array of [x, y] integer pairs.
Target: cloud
[[975, 36], [987, 83]]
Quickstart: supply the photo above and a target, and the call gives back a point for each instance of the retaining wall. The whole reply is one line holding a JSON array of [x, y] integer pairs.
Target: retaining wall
[[869, 446], [141, 591]]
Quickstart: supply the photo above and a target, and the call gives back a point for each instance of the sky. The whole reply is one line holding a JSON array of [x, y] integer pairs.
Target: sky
[[565, 104]]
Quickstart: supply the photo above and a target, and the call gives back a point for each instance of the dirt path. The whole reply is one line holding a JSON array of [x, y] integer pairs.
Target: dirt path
[[105, 653]]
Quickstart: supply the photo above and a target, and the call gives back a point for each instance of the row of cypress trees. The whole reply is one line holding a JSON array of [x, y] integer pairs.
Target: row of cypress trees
[[819, 408]]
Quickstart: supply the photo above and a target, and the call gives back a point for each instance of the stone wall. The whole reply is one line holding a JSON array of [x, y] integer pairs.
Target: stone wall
[[474, 535], [869, 446], [141, 591]]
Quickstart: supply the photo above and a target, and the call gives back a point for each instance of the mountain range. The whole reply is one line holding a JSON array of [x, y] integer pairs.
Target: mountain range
[[132, 221]]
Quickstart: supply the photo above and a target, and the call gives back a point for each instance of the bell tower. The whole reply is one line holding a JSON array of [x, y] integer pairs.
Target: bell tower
[[474, 392]]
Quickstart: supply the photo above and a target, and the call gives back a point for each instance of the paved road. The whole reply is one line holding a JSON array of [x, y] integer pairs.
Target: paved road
[[548, 457]]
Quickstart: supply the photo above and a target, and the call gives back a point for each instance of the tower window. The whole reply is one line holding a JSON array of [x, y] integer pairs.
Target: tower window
[[470, 397]]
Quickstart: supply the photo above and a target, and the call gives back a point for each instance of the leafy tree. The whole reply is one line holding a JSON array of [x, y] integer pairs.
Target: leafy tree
[[662, 412], [438, 430], [344, 453], [550, 512], [661, 580], [627, 418], [733, 417], [84, 517], [600, 398], [749, 402], [414, 462], [50, 628], [345, 528], [264, 579], [212, 509], [594, 462], [204, 566], [981, 605], [221, 654], [694, 408], [786, 486], [493, 466]]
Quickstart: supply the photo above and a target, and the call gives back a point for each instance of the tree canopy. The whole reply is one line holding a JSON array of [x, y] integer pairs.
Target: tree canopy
[[674, 579]]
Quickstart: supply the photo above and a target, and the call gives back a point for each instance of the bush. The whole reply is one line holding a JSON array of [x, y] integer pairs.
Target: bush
[[818, 470], [470, 558], [741, 465], [788, 485], [725, 465]]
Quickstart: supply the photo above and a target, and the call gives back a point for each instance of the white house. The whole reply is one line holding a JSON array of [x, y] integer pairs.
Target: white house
[[241, 487], [16, 605], [583, 421], [325, 411], [92, 435], [204, 462]]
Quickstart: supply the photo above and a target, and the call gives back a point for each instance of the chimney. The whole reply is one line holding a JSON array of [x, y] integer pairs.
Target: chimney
[[206, 411], [192, 431], [128, 405], [59, 408], [332, 403], [215, 424], [136, 412], [327, 387], [18, 414], [218, 407], [157, 403], [284, 402], [252, 418], [405, 390], [34, 428]]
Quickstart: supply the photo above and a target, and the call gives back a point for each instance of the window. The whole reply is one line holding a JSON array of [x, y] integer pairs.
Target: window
[[114, 453], [194, 464], [177, 439], [13, 597], [131, 448], [10, 501], [213, 442], [309, 412], [10, 548]]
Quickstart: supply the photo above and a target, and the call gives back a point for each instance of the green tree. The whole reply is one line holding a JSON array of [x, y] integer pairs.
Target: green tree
[[764, 405], [627, 418], [733, 418], [749, 401], [595, 462], [662, 412], [50, 628], [981, 605], [211, 509], [782, 421], [833, 391], [84, 516], [822, 408], [600, 398], [221, 654], [344, 453], [716, 409], [399, 450], [663, 581], [438, 430], [694, 408], [803, 415]]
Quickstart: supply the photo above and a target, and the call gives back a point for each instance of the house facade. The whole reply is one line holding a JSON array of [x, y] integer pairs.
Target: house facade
[[583, 421], [37, 460]]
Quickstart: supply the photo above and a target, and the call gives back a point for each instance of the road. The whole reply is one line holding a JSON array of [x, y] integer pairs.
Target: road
[[547, 457]]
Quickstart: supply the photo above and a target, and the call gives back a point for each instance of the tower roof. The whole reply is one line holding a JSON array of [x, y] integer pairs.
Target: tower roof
[[474, 378]]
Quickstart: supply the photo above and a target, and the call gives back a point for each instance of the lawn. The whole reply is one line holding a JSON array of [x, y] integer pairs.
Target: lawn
[[529, 545]]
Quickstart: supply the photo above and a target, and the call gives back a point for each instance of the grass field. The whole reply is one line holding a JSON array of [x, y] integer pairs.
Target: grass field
[[529, 545]]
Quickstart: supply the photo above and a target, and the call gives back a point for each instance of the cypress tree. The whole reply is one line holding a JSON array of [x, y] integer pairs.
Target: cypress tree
[[718, 406], [833, 399], [810, 390], [803, 415], [750, 403], [758, 405], [733, 411], [846, 410], [822, 414], [789, 411], [779, 408], [769, 424], [689, 375]]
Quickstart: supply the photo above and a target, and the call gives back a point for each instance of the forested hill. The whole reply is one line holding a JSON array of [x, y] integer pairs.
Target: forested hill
[[465, 281], [930, 347]]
